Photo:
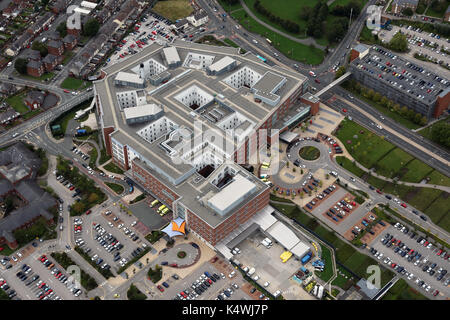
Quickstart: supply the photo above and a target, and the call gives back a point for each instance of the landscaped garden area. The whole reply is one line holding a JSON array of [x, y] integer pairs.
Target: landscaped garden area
[[154, 275], [117, 188], [111, 167], [309, 153], [372, 151], [75, 84], [90, 194], [134, 293]]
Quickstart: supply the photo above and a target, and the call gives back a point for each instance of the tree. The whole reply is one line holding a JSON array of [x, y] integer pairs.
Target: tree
[[41, 47], [21, 65], [407, 12], [399, 42], [340, 72], [93, 197], [62, 29], [440, 133], [91, 27]]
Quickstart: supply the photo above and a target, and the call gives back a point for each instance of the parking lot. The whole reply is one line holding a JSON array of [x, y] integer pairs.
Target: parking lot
[[270, 272], [410, 264], [194, 286], [423, 42], [145, 33], [108, 241], [38, 283]]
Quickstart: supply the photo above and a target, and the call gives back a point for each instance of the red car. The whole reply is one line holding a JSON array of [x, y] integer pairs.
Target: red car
[[317, 80], [215, 258], [66, 91], [71, 188], [436, 293], [209, 281], [160, 288], [353, 203], [439, 252], [403, 205], [344, 110], [378, 191], [393, 265], [88, 212]]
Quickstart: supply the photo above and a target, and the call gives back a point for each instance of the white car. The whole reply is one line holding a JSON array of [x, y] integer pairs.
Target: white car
[[14, 258], [266, 284]]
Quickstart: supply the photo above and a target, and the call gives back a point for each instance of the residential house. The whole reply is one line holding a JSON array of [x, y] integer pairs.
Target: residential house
[[447, 15], [31, 54], [41, 23], [22, 42], [53, 35], [18, 170], [51, 61], [7, 88], [70, 42], [8, 116], [35, 68], [34, 99], [103, 15], [399, 5], [60, 6], [55, 47]]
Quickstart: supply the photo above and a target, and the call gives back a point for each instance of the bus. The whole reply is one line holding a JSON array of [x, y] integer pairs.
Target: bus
[[164, 211], [265, 164], [268, 41], [161, 208], [154, 202], [311, 73], [261, 58]]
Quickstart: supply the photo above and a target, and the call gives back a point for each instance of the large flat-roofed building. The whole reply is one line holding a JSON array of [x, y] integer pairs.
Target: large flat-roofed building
[[180, 139], [404, 82]]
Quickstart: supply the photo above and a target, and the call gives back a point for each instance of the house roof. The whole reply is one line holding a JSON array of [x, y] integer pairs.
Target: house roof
[[33, 96], [69, 38], [55, 44], [49, 58], [34, 64]]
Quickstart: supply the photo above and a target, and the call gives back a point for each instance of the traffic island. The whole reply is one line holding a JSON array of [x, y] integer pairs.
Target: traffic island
[[309, 153]]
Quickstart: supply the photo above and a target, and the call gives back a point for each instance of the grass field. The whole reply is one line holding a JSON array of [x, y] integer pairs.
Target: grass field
[[417, 170], [365, 146], [392, 162], [371, 150], [402, 291], [173, 9], [309, 153], [17, 103], [73, 83], [350, 166], [292, 49], [111, 167], [327, 272]]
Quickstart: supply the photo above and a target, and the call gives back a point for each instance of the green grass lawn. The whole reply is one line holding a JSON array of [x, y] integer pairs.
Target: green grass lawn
[[292, 49], [67, 56], [72, 83], [350, 166], [438, 178], [229, 8], [17, 103], [416, 171], [392, 162], [439, 211], [111, 167], [117, 188], [365, 146], [402, 291], [327, 272], [173, 9]]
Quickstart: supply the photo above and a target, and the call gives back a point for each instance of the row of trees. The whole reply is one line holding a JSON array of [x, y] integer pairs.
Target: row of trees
[[353, 8], [376, 97], [315, 18], [288, 25], [134, 293], [398, 43], [90, 193]]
